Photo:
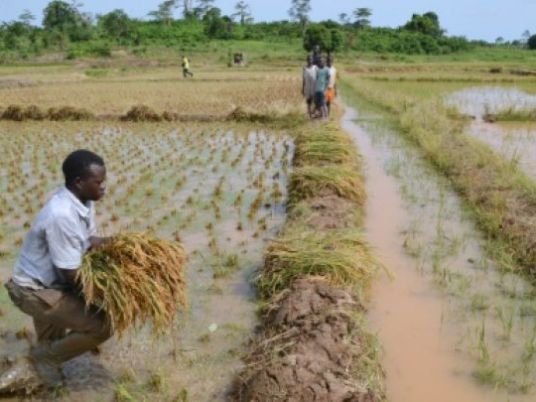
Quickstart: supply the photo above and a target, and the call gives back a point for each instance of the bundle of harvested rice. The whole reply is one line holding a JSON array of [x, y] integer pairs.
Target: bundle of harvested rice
[[136, 278]]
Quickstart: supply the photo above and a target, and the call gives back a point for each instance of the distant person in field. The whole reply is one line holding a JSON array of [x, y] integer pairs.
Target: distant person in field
[[321, 86], [186, 68], [331, 93], [317, 55], [45, 285], [308, 87]]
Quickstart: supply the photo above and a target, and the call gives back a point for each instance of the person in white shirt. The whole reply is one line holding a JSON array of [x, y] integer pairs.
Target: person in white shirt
[[332, 85], [308, 87], [44, 283]]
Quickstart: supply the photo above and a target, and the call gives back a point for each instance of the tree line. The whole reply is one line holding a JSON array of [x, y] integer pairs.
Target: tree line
[[65, 27]]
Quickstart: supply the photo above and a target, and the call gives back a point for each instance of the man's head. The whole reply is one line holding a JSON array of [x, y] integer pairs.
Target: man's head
[[85, 175], [321, 63], [309, 60]]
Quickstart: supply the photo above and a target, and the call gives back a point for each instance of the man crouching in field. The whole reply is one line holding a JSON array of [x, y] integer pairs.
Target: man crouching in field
[[44, 282]]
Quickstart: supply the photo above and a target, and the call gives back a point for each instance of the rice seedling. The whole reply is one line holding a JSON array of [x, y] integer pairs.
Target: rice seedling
[[136, 278]]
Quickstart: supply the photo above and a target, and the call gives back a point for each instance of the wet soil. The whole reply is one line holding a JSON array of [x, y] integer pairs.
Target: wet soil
[[308, 349]]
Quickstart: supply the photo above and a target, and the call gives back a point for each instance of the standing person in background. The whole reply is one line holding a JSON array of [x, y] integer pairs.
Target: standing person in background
[[321, 86], [317, 55], [186, 67], [308, 87], [331, 93]]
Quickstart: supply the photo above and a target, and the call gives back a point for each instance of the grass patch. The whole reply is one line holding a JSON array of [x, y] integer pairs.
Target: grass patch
[[511, 115]]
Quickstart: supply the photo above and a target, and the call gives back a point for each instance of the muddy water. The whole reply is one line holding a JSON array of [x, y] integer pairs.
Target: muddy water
[[441, 320]]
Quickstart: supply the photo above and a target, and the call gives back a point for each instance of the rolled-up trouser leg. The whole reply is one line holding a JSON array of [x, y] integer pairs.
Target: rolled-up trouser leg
[[62, 311], [46, 332], [88, 329]]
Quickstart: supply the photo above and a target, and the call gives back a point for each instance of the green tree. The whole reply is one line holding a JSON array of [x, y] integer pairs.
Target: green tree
[[362, 17], [344, 19], [216, 25], [116, 24], [525, 36], [203, 7], [187, 7], [329, 39], [531, 43], [427, 24], [26, 17], [243, 13], [299, 11], [164, 13], [60, 15]]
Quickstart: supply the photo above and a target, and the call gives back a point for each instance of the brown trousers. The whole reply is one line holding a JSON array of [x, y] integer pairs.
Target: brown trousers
[[65, 327]]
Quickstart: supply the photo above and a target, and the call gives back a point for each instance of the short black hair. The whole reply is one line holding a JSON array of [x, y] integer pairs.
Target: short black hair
[[77, 164]]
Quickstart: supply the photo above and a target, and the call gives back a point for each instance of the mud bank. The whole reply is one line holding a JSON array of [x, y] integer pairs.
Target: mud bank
[[312, 345]]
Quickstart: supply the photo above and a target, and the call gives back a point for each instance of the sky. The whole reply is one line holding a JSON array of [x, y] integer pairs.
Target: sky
[[474, 19]]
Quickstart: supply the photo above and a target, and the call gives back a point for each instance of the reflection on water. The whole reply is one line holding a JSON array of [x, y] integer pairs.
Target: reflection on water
[[481, 100], [515, 142]]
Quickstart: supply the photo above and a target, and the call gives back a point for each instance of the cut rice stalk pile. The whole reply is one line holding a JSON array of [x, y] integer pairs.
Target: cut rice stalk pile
[[342, 257], [135, 278], [308, 181]]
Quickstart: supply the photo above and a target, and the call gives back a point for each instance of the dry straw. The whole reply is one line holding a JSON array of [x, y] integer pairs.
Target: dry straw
[[136, 278]]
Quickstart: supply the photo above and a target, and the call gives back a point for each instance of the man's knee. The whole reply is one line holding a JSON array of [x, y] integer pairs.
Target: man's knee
[[105, 331], [102, 328]]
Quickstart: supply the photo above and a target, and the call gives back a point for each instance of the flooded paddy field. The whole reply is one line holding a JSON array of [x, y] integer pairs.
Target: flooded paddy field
[[514, 140], [453, 323], [220, 190]]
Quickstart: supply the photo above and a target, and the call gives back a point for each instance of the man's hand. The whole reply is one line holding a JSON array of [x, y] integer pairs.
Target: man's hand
[[97, 242], [68, 276]]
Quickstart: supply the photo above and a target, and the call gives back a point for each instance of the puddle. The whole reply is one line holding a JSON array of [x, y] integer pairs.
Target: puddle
[[202, 184], [516, 142], [478, 101], [452, 326]]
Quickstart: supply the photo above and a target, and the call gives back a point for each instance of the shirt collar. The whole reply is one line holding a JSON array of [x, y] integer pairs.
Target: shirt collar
[[83, 210]]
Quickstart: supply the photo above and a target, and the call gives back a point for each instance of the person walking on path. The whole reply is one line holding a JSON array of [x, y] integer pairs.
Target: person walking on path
[[321, 86], [44, 283], [308, 87], [186, 68], [331, 93]]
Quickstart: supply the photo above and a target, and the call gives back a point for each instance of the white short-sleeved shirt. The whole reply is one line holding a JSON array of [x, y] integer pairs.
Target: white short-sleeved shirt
[[309, 79], [332, 77], [58, 238]]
